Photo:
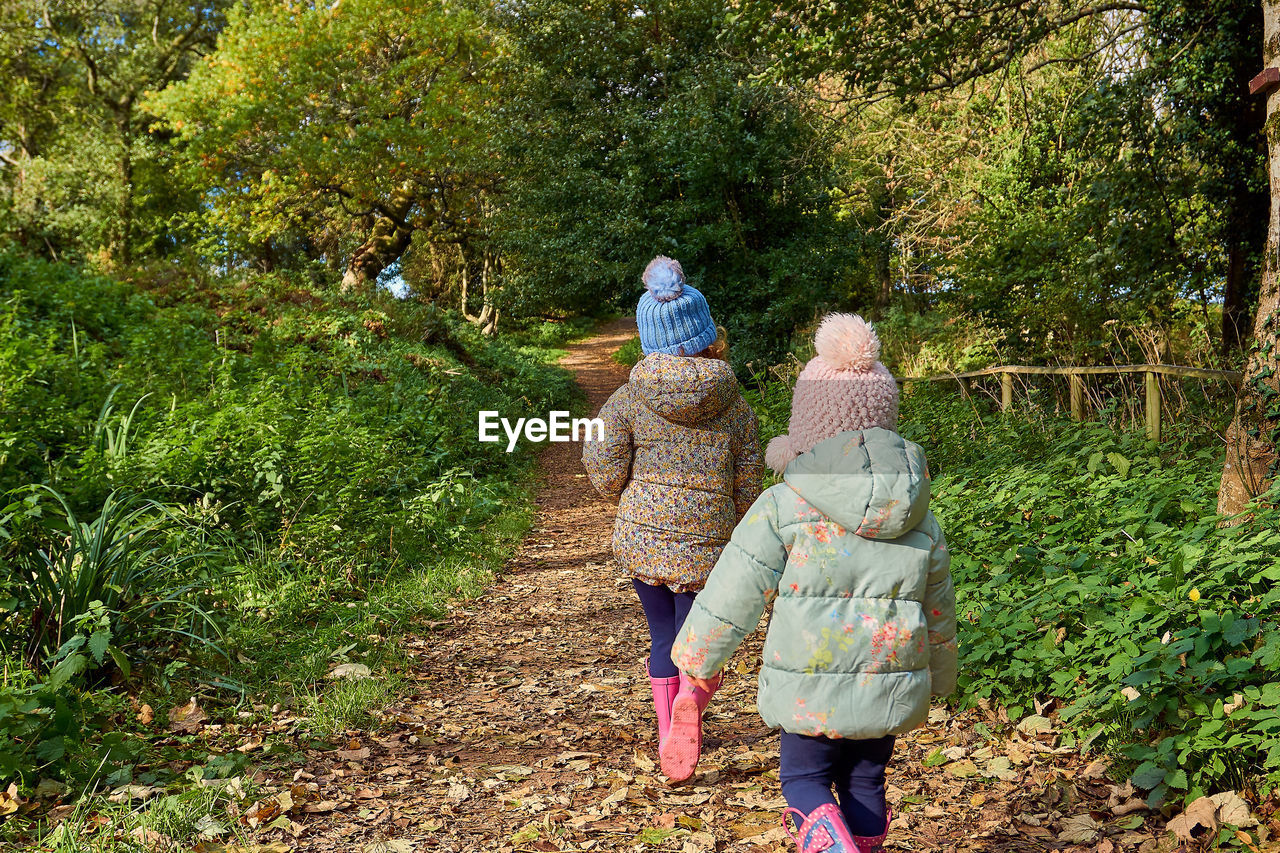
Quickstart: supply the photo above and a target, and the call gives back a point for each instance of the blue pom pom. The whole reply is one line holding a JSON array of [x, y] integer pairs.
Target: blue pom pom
[[664, 278]]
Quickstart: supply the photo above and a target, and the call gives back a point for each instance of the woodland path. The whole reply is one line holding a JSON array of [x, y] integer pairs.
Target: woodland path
[[531, 728]]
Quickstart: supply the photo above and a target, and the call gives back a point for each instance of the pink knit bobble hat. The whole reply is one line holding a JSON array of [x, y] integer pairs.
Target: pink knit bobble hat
[[844, 387]]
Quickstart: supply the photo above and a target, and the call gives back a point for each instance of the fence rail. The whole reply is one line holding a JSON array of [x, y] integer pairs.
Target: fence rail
[[1075, 379]]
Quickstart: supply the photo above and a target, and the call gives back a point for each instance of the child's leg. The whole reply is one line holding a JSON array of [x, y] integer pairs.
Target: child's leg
[[860, 784], [683, 603], [659, 604], [807, 770]]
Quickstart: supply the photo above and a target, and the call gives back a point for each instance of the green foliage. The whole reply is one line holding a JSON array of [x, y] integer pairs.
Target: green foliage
[[128, 571], [630, 353], [626, 133], [81, 172], [1089, 562], [296, 467], [294, 160]]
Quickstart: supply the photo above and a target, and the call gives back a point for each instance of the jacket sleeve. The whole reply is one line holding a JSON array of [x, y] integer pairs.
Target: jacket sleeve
[[608, 461], [743, 582], [748, 467], [940, 614]]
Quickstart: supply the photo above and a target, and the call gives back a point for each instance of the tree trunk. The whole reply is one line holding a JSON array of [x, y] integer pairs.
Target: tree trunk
[[487, 319], [387, 241], [1250, 465], [1247, 203], [1234, 321], [121, 252]]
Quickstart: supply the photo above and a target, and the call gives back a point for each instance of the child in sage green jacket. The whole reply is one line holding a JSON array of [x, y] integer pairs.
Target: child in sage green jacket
[[863, 626]]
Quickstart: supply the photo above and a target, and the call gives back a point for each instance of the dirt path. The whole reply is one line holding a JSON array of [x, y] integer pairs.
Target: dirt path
[[533, 731]]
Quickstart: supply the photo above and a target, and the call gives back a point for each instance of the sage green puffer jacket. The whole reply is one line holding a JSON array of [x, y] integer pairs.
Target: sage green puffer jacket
[[863, 629]]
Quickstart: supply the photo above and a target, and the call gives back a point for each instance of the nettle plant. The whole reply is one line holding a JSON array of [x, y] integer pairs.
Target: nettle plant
[[1094, 570]]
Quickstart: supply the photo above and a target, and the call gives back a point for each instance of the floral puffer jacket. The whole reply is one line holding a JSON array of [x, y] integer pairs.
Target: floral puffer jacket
[[681, 457], [863, 629]]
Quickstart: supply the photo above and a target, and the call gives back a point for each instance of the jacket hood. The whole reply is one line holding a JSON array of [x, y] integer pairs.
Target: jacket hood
[[684, 390], [873, 482]]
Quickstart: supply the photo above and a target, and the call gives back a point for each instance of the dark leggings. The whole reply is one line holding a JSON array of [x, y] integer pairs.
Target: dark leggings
[[810, 766], [665, 612]]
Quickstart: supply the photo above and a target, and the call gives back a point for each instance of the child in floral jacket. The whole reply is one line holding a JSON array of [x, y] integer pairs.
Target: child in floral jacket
[[681, 458], [863, 627]]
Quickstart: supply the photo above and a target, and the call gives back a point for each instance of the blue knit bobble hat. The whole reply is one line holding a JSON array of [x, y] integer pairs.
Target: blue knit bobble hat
[[672, 316]]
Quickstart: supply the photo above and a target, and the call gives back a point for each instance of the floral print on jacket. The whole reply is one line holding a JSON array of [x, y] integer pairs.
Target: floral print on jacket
[[681, 458], [863, 627]]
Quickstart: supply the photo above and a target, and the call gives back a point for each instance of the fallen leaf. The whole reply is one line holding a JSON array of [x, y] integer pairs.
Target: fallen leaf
[[352, 754], [1078, 829], [261, 812], [1035, 724], [10, 802], [964, 769], [146, 715], [389, 846], [152, 840], [128, 793], [1096, 770], [49, 788], [1201, 813], [250, 745], [232, 788], [1000, 768], [353, 671], [187, 719], [1233, 810], [616, 797]]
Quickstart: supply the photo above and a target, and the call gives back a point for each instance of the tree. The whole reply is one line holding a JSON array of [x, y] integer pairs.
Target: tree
[[351, 123], [80, 69], [1252, 460], [625, 132], [1120, 176]]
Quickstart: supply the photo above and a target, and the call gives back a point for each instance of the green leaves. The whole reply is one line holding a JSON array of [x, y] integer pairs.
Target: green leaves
[[1076, 556], [315, 118]]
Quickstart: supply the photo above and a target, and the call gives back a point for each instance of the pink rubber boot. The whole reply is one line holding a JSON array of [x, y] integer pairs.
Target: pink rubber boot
[[683, 746], [874, 843], [664, 693], [824, 831]]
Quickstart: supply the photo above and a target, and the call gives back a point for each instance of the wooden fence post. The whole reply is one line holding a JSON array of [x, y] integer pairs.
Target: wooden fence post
[[1153, 406], [1006, 391], [1076, 382]]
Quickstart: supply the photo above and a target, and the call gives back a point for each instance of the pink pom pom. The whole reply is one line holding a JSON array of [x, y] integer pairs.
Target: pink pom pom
[[779, 453], [847, 342]]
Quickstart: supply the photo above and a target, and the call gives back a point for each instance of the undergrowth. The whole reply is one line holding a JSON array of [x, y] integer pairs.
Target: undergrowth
[[246, 482]]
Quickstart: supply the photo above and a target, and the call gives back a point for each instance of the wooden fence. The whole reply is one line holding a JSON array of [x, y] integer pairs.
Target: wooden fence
[[1076, 378]]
